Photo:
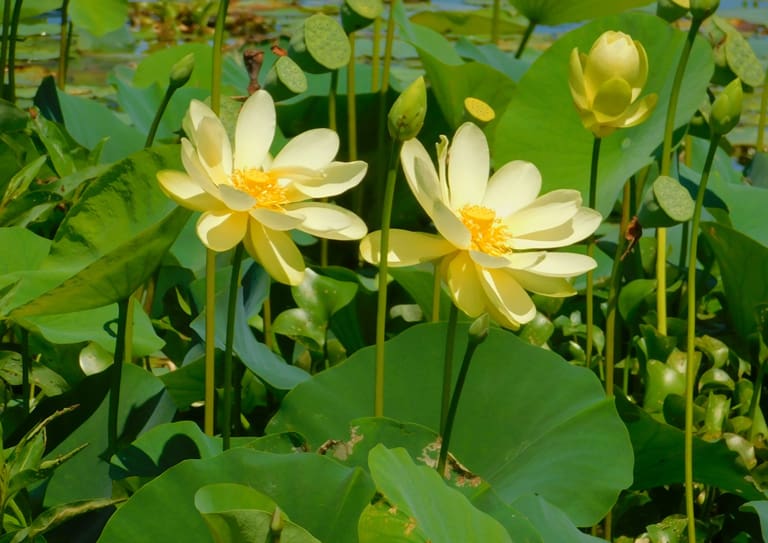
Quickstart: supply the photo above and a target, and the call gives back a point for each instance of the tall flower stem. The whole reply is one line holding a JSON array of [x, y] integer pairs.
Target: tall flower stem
[[210, 256], [210, 341], [495, 16], [666, 158], [269, 340], [591, 252], [123, 332], [10, 90], [382, 120], [437, 285], [4, 43], [375, 53], [691, 337], [332, 101], [64, 42], [234, 285], [351, 102], [447, 428], [381, 308], [526, 36], [761, 122], [450, 343], [159, 115]]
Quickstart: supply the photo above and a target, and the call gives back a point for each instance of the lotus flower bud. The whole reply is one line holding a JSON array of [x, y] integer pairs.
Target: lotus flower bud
[[700, 9], [182, 71], [478, 330], [726, 109], [408, 112], [606, 84]]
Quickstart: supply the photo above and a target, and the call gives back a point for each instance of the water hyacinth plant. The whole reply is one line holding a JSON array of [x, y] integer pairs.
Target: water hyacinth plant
[[548, 327]]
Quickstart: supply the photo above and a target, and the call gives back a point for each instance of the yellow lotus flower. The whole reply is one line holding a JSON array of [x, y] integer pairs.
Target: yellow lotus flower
[[247, 196], [606, 84], [492, 233]]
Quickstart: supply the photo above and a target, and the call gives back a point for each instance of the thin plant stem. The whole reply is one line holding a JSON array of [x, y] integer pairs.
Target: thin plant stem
[[375, 53], [61, 76], [611, 331], [210, 340], [666, 156], [4, 43], [351, 102], [447, 429], [591, 251], [10, 90], [123, 306], [382, 120], [495, 16], [218, 42], [437, 285], [381, 308], [761, 121], [691, 338], [159, 115], [234, 285], [26, 367], [450, 343], [267, 318], [526, 36]]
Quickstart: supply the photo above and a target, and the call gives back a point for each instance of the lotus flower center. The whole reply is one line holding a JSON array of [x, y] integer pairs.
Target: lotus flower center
[[489, 235], [263, 186]]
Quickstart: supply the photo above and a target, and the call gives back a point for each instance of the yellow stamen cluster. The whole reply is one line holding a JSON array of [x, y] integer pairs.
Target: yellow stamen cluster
[[489, 235], [263, 186]]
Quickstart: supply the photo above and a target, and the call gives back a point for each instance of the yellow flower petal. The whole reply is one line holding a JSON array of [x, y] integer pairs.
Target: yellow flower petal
[[276, 252], [276, 220], [336, 178], [405, 248], [221, 230], [420, 174], [461, 278], [576, 80], [513, 186], [547, 211], [639, 111], [254, 131], [507, 296], [195, 168], [450, 226], [612, 99], [556, 287], [186, 192], [579, 227], [313, 149], [328, 221], [468, 166], [214, 150], [235, 199], [563, 265]]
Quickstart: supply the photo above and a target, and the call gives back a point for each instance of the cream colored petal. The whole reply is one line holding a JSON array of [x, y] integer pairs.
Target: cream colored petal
[[576, 80], [197, 112], [442, 165], [276, 252], [195, 168], [314, 149], [639, 111], [581, 226], [563, 265], [450, 226], [276, 220], [507, 296], [221, 230], [547, 211], [514, 186], [468, 165], [488, 261], [214, 150], [336, 178], [186, 192], [556, 287], [254, 131], [420, 174], [464, 285], [236, 200], [405, 248], [328, 221], [639, 81], [522, 261]]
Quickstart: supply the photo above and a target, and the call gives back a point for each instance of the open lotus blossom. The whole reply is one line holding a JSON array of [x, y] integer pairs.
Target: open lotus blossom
[[492, 233], [606, 84], [248, 196]]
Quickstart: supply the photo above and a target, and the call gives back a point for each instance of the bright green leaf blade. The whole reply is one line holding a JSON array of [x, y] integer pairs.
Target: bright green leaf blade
[[438, 511], [323, 296], [743, 267], [554, 12], [338, 496], [99, 16], [541, 124], [235, 513], [554, 526], [528, 443], [761, 509]]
